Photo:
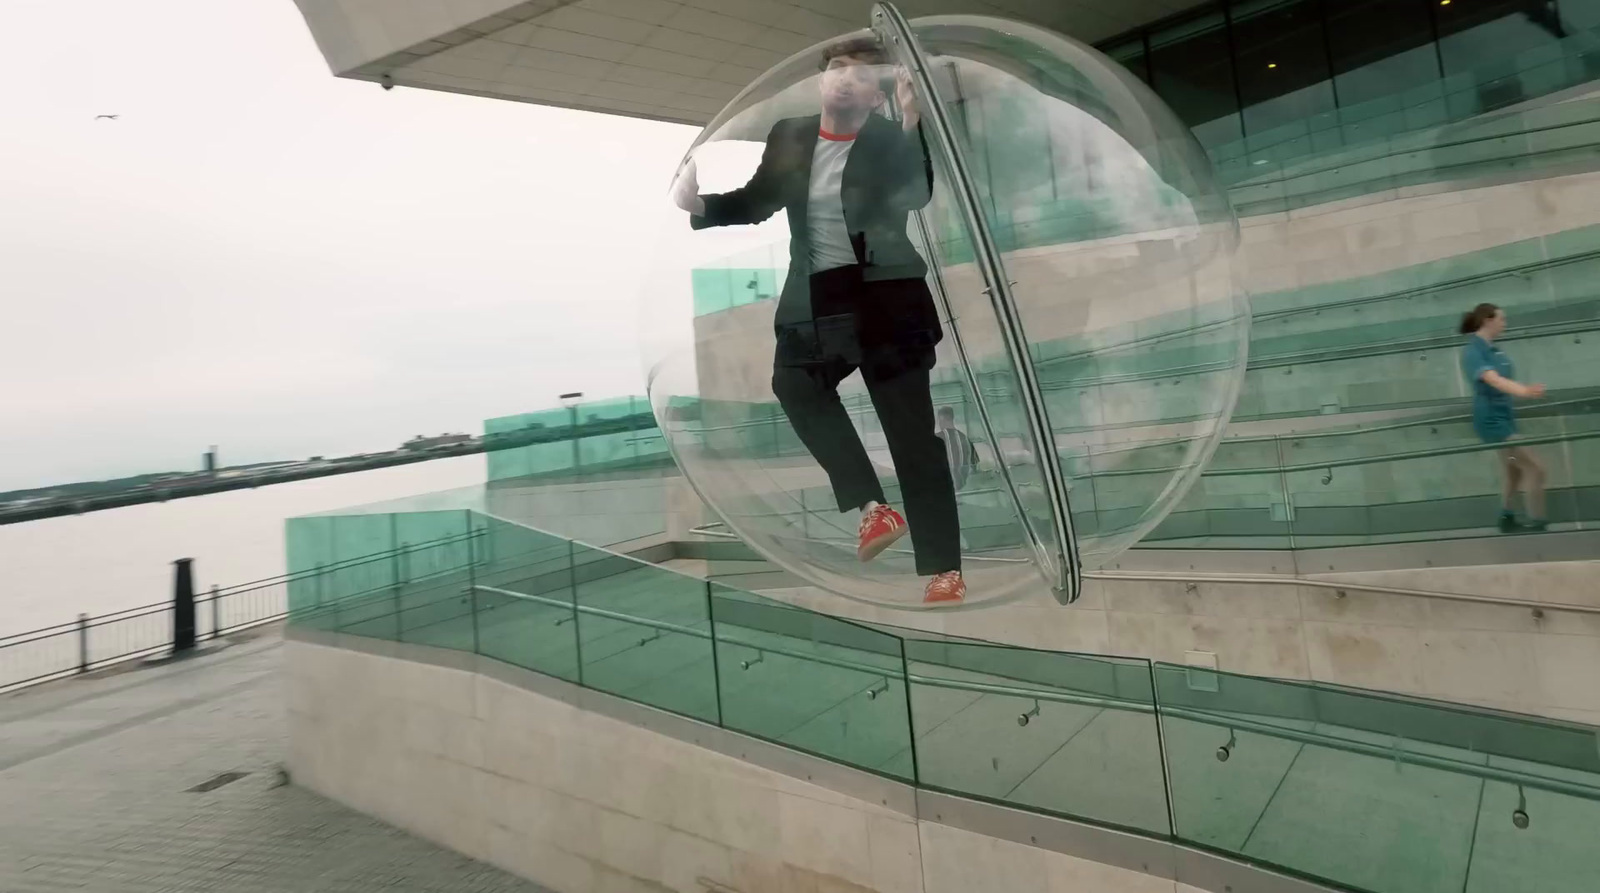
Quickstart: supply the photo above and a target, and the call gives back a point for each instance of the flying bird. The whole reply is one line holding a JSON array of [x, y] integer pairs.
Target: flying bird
[[107, 117]]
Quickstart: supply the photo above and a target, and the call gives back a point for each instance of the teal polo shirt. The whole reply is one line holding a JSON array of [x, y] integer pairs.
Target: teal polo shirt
[[1492, 417]]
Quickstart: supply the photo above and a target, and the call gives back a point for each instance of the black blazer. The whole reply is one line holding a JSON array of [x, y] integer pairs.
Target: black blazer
[[887, 175]]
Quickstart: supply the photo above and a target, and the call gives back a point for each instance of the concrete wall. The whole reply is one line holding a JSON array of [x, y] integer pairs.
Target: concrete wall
[[1504, 657], [1397, 228], [580, 802]]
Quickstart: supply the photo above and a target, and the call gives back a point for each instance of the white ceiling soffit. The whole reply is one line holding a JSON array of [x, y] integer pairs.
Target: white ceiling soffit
[[669, 60]]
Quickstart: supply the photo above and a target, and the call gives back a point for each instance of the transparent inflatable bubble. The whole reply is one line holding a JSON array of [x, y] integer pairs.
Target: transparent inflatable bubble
[[964, 267]]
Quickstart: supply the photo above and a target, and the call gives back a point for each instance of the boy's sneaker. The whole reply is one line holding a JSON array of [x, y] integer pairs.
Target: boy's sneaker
[[1508, 523]]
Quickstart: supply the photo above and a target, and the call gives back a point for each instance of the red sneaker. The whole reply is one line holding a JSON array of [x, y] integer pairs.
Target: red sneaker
[[880, 529], [947, 587]]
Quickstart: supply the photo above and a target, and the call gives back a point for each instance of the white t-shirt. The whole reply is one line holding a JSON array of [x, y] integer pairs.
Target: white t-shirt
[[830, 240]]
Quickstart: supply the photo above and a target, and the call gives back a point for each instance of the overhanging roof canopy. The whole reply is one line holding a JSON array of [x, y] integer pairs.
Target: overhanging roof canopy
[[659, 59]]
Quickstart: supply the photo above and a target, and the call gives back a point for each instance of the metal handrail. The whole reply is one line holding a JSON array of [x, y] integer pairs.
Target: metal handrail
[[1339, 586], [223, 592], [1354, 460], [85, 625], [1285, 580]]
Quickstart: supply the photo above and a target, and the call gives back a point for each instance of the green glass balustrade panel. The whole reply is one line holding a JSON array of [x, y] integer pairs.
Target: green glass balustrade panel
[[1554, 854], [644, 633], [1422, 497], [432, 544], [365, 546], [1068, 734], [608, 450], [438, 601], [1376, 792], [1248, 513], [593, 436], [307, 549], [812, 682], [1252, 777], [712, 290], [525, 610], [376, 615]]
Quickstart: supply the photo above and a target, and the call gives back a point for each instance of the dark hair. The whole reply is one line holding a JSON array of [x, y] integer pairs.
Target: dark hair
[[1479, 315], [866, 50]]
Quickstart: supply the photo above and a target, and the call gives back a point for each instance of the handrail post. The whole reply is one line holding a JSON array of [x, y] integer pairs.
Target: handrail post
[[399, 587], [472, 582], [216, 611], [716, 653], [911, 716], [83, 643], [1283, 485], [572, 590]]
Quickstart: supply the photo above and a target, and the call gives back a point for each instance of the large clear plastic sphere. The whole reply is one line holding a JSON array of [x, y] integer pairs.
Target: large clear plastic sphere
[[819, 334]]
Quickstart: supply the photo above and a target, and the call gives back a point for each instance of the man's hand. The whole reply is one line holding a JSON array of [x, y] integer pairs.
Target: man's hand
[[686, 191], [906, 97]]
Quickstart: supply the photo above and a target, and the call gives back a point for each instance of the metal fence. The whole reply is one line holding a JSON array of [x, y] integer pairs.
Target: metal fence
[[96, 642]]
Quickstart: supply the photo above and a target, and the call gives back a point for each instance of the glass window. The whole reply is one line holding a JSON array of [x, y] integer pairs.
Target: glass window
[[1130, 54], [1282, 61], [1486, 35], [1380, 48], [1191, 67]]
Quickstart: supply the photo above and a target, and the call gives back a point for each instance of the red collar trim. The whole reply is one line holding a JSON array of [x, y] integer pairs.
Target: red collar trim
[[836, 137]]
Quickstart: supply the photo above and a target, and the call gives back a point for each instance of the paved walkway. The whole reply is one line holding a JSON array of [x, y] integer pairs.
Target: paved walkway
[[166, 778]]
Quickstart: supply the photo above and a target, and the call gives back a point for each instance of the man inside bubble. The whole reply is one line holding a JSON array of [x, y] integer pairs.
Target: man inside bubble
[[856, 298]]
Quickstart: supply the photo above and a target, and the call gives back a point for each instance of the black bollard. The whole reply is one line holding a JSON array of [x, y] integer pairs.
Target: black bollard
[[183, 606]]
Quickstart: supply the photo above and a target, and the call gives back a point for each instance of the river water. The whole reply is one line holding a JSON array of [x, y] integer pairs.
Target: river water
[[53, 570]]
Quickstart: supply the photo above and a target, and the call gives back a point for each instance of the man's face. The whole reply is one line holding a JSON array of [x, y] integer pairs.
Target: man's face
[[849, 84]]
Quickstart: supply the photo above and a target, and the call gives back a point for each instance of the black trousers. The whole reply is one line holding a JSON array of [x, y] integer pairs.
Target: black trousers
[[818, 350]]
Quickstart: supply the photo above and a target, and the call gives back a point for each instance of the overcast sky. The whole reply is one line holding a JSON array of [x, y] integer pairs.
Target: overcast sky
[[261, 256]]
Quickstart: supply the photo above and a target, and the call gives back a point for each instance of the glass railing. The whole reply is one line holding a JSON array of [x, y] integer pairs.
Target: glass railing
[[424, 536], [1419, 479], [1374, 342], [1368, 791], [1514, 143], [1326, 167], [1422, 475], [586, 438]]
